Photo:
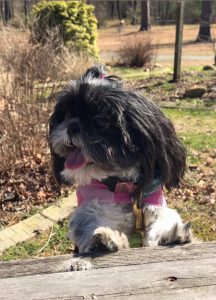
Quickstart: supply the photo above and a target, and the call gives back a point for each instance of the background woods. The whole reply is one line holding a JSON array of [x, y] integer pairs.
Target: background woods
[[159, 12]]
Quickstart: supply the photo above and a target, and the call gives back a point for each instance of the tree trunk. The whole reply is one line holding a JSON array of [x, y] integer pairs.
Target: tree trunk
[[6, 11], [167, 10], [163, 13], [124, 8], [205, 27], [133, 8], [112, 9], [118, 5], [135, 12], [145, 16], [26, 10]]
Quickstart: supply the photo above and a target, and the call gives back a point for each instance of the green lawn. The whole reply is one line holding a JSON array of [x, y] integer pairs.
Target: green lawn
[[195, 200], [140, 73], [197, 128]]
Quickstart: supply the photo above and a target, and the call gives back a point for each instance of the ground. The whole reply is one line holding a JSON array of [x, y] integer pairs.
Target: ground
[[163, 40], [195, 199], [160, 88], [29, 186]]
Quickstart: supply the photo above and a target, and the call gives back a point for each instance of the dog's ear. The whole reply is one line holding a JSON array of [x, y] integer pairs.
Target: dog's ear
[[154, 135], [56, 160], [57, 166]]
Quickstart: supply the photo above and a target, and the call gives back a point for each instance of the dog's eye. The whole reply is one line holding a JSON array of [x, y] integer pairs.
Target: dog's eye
[[67, 116], [102, 123], [70, 116]]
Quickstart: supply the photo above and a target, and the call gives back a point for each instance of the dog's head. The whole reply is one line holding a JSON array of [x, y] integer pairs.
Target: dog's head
[[99, 129]]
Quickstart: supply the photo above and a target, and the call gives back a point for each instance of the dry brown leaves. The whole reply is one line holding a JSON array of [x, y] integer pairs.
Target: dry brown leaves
[[196, 197], [200, 181], [29, 186]]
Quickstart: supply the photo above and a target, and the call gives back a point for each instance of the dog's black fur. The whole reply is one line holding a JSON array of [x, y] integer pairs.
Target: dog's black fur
[[120, 129]]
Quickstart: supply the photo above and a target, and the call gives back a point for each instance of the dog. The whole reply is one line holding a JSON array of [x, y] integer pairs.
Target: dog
[[115, 144]]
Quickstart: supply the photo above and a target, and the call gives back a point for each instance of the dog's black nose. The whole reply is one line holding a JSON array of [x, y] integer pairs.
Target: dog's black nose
[[73, 128]]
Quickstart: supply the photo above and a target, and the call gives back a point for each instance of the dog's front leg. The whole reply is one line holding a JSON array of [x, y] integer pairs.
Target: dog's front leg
[[94, 227], [164, 226]]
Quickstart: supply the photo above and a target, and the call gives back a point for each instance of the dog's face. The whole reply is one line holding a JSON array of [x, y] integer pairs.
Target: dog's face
[[99, 129]]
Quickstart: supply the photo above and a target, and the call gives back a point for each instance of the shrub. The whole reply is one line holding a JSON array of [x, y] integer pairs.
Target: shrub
[[75, 20], [136, 51], [51, 61], [29, 73]]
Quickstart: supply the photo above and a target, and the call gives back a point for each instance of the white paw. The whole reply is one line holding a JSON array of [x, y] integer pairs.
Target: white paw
[[151, 214], [149, 243], [106, 239]]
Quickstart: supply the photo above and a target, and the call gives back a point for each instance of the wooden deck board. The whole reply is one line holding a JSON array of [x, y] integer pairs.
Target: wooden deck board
[[180, 272]]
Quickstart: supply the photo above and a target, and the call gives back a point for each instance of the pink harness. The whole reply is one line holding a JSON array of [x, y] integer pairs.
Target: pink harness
[[122, 194]]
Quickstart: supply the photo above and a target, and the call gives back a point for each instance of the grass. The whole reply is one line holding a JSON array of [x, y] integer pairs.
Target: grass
[[139, 73], [197, 128], [193, 75], [58, 244], [126, 71], [168, 86]]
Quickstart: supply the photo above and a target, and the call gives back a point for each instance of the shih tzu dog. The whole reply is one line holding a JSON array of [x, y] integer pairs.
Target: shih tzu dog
[[118, 148]]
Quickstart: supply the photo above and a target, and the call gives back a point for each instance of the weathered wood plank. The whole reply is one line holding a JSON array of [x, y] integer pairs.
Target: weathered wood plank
[[122, 258], [179, 279]]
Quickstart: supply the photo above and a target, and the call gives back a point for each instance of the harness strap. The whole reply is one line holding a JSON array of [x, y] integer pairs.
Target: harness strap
[[111, 182]]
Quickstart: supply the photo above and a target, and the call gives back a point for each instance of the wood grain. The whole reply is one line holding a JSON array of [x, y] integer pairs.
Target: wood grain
[[180, 272], [128, 257], [118, 282]]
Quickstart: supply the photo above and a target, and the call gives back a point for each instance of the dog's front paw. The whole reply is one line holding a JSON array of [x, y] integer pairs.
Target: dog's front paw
[[105, 239], [149, 243], [150, 213]]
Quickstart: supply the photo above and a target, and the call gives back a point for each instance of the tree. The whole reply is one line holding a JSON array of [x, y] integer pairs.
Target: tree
[[112, 9], [133, 11], [164, 10], [26, 9], [145, 16], [6, 10], [205, 27], [118, 5]]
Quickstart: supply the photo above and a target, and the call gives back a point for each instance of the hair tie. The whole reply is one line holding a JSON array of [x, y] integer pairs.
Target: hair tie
[[101, 76]]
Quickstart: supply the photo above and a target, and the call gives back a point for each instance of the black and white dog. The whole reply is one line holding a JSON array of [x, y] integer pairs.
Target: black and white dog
[[112, 142]]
